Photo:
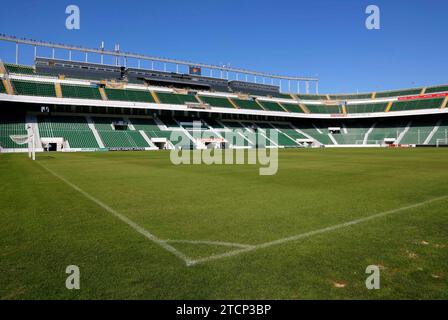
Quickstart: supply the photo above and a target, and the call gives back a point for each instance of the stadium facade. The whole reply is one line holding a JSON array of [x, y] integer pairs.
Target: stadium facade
[[84, 106]]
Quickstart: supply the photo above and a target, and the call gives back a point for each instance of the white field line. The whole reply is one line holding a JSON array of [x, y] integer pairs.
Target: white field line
[[211, 243], [124, 219], [312, 233], [244, 247]]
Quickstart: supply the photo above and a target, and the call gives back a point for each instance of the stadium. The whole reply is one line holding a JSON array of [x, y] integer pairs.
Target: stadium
[[361, 181]]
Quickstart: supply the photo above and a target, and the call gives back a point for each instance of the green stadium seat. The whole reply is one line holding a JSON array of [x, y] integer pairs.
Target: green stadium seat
[[29, 88], [2, 87], [292, 107], [129, 95], [416, 104], [19, 69], [218, 102], [11, 125], [398, 93], [436, 89], [324, 109], [247, 104], [366, 107], [271, 106], [80, 92], [74, 129], [173, 98]]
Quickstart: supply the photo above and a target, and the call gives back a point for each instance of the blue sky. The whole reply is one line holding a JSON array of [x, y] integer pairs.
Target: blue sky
[[326, 38]]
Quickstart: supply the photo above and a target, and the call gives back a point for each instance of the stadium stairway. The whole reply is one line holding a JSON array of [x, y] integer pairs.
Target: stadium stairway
[[433, 131], [403, 133], [440, 134], [142, 133], [418, 132], [91, 125], [8, 86], [444, 103], [57, 89]]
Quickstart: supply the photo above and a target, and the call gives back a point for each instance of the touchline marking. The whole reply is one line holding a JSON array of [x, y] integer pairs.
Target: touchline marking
[[211, 243], [124, 219], [312, 233]]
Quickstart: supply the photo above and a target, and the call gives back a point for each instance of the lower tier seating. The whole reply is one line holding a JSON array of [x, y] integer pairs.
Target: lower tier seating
[[441, 135], [79, 134], [113, 138], [11, 125], [73, 129]]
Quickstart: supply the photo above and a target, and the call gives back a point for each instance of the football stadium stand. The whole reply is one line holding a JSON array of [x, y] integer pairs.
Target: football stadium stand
[[112, 108]]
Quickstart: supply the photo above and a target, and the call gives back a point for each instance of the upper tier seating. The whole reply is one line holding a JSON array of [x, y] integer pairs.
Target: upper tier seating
[[129, 95], [11, 125], [351, 96], [74, 129], [366, 107], [271, 106], [2, 87], [417, 104], [80, 92], [292, 107], [247, 104], [436, 89], [173, 98], [19, 69], [29, 88], [219, 102], [324, 109], [312, 97], [398, 93]]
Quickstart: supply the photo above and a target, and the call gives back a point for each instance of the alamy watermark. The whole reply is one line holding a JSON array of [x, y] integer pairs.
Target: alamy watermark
[[73, 280], [233, 147], [373, 21], [73, 21], [373, 280]]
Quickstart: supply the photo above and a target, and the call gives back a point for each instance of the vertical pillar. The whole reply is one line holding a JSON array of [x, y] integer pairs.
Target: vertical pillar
[[17, 53]]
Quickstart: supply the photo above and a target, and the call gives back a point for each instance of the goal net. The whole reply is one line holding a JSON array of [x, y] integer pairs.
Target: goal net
[[26, 139], [20, 139]]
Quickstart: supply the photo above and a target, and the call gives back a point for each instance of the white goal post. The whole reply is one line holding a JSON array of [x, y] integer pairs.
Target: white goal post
[[440, 142], [29, 139]]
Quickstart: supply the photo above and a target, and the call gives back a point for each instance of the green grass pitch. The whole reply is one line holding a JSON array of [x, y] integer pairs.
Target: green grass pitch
[[208, 211]]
